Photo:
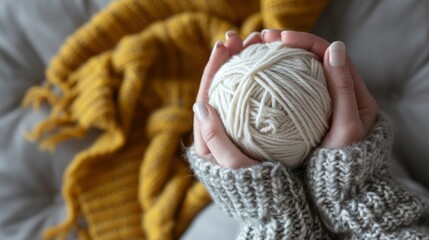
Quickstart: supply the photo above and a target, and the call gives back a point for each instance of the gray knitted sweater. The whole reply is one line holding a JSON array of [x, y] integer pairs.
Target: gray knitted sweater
[[339, 193]]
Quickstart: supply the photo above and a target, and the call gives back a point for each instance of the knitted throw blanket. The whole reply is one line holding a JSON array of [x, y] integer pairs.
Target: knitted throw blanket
[[132, 73]]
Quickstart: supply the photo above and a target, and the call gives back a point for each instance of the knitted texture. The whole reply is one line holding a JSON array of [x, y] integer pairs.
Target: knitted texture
[[351, 193], [267, 199], [273, 101], [358, 198], [132, 74]]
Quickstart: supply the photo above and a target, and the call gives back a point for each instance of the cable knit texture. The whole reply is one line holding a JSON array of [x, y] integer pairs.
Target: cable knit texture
[[268, 199], [350, 189], [357, 197]]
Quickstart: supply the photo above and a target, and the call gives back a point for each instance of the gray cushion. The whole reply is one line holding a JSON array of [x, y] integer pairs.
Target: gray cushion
[[30, 190]]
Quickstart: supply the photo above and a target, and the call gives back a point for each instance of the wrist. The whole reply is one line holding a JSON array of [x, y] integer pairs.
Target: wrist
[[268, 199], [258, 192], [347, 168]]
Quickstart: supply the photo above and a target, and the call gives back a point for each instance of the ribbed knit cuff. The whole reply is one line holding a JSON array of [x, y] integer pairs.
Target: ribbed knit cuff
[[267, 198], [355, 195], [346, 169]]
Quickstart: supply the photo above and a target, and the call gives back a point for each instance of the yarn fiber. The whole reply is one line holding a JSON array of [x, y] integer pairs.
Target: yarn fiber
[[273, 102]]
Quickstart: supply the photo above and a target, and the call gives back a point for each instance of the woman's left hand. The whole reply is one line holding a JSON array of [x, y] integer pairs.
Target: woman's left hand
[[354, 110]]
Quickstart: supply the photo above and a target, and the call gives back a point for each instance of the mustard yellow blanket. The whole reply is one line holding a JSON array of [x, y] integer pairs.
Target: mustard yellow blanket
[[132, 73]]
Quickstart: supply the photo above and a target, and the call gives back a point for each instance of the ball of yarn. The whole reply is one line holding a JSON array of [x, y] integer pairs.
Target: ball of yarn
[[273, 102]]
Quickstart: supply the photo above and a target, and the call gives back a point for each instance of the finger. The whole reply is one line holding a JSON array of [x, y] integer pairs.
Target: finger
[[199, 144], [307, 41], [270, 35], [220, 146], [219, 55], [233, 42], [366, 103], [253, 38], [341, 86]]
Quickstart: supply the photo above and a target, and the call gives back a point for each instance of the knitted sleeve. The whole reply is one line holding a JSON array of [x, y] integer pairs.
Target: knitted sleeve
[[358, 199], [267, 199]]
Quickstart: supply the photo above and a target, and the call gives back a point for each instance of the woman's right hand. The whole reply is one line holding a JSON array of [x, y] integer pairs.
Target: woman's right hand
[[210, 138]]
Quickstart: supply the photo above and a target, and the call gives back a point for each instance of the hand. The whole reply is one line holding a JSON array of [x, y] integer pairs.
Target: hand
[[354, 110], [210, 138]]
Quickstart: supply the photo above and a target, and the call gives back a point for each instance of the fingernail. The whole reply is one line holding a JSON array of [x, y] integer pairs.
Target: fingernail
[[251, 36], [200, 110], [283, 32], [215, 46], [337, 54], [263, 32], [230, 34]]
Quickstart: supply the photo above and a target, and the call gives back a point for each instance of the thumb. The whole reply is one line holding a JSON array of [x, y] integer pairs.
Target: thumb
[[217, 141], [346, 123], [340, 84]]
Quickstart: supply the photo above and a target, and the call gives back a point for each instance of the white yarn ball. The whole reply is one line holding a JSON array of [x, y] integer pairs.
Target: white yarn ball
[[273, 102]]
